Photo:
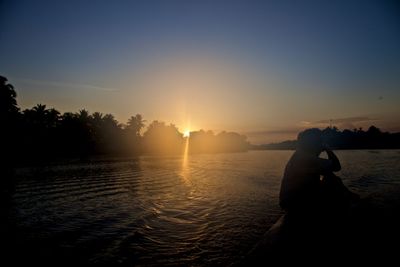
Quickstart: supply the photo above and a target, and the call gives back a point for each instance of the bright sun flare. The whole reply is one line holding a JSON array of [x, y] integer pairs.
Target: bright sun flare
[[186, 133]]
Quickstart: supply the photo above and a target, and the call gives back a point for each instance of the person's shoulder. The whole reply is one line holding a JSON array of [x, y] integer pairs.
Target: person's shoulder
[[301, 156], [300, 161]]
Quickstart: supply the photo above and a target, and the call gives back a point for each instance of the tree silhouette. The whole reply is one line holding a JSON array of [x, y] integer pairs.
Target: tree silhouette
[[97, 118], [53, 118], [162, 138], [9, 133], [8, 99], [206, 142], [135, 124], [83, 115], [373, 138], [40, 109]]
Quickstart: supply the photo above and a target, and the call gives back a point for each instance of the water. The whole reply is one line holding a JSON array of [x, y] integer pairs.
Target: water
[[198, 210]]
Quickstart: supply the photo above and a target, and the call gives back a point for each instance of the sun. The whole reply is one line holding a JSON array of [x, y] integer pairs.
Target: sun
[[186, 133]]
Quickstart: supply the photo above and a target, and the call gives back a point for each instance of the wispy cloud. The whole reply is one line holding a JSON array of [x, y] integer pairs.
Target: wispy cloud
[[66, 85], [348, 120], [346, 123], [290, 133]]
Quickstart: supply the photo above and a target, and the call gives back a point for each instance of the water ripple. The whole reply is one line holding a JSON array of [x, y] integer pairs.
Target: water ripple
[[155, 211]]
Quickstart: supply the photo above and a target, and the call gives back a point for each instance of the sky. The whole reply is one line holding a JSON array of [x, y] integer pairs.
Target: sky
[[267, 69]]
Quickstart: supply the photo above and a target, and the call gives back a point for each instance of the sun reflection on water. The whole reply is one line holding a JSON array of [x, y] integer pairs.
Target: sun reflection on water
[[185, 159]]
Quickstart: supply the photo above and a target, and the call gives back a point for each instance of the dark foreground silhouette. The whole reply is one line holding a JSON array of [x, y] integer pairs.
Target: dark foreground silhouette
[[302, 190], [323, 219], [367, 234]]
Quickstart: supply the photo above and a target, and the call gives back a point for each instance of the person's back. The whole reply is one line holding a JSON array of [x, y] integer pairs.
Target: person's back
[[301, 184]]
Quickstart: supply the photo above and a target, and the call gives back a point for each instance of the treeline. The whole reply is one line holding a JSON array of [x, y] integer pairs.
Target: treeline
[[373, 138], [45, 133]]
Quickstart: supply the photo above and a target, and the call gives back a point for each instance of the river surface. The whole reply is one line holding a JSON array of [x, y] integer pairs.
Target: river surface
[[195, 210]]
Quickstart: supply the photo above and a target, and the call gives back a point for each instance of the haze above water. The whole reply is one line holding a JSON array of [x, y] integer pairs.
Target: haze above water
[[196, 211]]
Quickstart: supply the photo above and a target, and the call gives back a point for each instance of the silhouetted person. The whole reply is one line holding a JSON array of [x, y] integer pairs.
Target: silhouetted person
[[303, 192]]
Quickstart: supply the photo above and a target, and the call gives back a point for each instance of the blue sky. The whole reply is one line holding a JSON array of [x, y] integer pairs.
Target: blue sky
[[267, 68]]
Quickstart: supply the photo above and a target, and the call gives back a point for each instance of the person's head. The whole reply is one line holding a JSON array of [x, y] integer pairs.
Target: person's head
[[310, 141]]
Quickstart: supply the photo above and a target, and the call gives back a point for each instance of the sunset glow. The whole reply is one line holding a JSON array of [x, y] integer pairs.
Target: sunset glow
[[186, 133], [176, 132], [235, 70]]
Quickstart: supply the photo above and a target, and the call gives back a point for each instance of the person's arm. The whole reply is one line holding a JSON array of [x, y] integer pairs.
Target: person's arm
[[335, 161], [331, 164]]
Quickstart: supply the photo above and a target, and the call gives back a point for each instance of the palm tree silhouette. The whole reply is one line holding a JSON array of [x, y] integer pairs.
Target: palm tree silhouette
[[136, 124], [53, 117], [97, 118], [83, 115], [8, 101]]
